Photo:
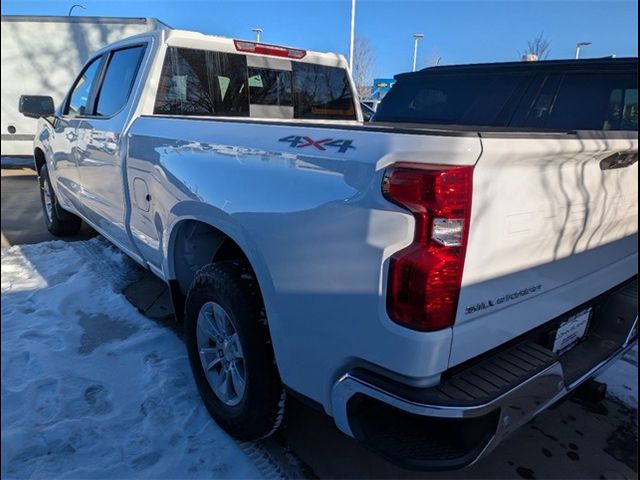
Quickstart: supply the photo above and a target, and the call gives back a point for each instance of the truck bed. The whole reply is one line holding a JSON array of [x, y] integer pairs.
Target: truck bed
[[311, 214]]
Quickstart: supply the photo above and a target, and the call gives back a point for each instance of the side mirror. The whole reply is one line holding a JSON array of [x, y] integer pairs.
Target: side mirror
[[36, 106]]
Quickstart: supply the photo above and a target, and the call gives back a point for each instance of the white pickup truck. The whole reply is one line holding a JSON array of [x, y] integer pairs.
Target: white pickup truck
[[431, 280]]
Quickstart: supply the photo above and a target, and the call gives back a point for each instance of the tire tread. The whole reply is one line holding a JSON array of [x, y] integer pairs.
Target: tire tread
[[260, 414]]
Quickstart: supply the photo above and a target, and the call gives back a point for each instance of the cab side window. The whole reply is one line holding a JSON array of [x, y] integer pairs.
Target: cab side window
[[118, 80], [539, 112], [81, 92], [583, 101], [622, 112]]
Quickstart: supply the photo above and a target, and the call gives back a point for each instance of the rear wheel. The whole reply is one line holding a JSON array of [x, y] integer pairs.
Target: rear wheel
[[230, 351], [59, 222]]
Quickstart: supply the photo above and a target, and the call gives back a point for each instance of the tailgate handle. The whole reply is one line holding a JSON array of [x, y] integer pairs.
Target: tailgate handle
[[618, 160]]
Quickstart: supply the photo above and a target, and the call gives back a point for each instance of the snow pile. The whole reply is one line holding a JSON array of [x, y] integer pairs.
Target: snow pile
[[91, 388]]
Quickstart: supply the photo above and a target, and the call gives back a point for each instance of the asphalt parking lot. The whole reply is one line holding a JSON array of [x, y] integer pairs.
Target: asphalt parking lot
[[572, 440], [22, 217]]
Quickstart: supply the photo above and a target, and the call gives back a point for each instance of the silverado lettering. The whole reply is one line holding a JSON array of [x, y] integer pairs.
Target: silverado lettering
[[500, 300]]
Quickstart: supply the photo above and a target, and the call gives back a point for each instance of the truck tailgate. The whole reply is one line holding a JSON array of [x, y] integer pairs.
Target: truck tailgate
[[554, 223]]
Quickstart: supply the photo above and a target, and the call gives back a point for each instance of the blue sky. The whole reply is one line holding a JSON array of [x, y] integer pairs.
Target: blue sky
[[455, 30]]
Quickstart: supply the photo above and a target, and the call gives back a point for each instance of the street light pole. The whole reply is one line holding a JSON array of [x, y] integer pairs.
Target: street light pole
[[257, 31], [578, 45], [74, 6], [416, 36], [352, 34]]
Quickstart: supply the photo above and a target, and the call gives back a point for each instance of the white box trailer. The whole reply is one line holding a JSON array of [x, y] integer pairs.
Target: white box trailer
[[42, 55]]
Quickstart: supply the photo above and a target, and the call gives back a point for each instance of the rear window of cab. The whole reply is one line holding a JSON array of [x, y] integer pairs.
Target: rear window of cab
[[208, 83]]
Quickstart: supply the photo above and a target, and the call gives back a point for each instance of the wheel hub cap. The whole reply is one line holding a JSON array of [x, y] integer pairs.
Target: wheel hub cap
[[221, 353]]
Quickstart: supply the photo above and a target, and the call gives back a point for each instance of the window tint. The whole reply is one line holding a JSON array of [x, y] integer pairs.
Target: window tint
[[199, 82], [441, 98], [629, 110], [322, 92], [118, 80], [622, 111], [585, 101], [79, 98], [269, 87], [535, 114]]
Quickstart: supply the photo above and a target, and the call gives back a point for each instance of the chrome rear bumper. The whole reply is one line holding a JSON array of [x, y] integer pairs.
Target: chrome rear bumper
[[512, 408]]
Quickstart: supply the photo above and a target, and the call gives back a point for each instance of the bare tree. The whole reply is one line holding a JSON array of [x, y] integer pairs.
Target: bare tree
[[433, 58], [538, 46], [364, 60]]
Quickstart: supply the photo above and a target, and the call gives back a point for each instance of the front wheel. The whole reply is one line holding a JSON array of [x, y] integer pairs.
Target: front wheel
[[230, 351], [59, 222]]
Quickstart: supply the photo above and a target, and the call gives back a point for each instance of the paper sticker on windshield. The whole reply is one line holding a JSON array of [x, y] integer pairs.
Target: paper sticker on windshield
[[322, 144]]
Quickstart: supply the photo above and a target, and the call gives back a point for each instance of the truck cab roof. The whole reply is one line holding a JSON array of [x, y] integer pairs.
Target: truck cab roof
[[197, 40]]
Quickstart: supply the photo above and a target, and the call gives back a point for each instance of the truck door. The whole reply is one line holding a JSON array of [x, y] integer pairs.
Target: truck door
[[101, 146], [64, 173]]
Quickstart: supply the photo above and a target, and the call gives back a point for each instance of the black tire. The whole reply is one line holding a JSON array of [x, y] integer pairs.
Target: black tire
[[260, 410], [59, 222]]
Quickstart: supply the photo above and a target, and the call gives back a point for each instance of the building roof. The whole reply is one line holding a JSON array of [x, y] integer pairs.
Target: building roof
[[84, 19]]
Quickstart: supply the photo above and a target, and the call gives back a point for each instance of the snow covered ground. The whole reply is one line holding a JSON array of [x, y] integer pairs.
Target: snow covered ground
[[91, 388]]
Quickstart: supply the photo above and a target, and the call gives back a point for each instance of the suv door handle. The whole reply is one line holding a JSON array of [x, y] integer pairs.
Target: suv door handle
[[618, 160]]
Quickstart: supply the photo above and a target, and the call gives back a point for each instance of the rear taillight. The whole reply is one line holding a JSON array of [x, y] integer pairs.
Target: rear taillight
[[266, 49], [425, 277]]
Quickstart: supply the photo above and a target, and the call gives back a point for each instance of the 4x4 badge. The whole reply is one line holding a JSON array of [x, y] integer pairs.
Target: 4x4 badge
[[304, 141]]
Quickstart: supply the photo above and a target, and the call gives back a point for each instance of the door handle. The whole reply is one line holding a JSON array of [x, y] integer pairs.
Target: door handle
[[618, 160]]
